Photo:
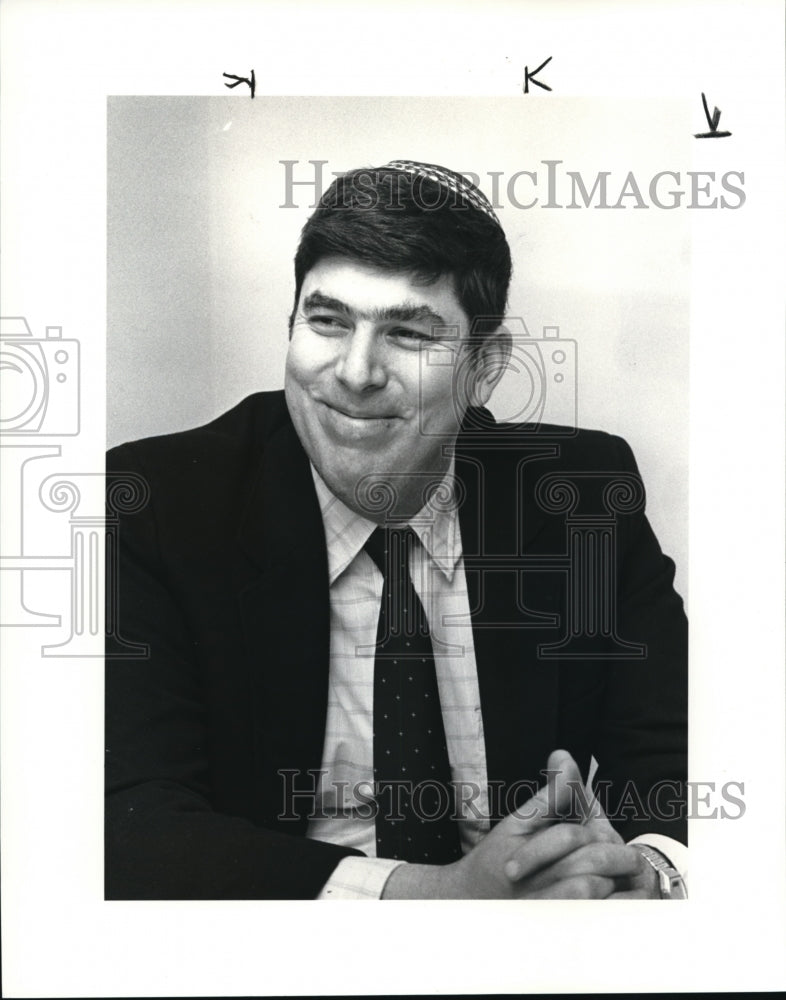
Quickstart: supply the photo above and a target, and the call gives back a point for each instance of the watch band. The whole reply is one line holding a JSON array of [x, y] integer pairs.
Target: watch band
[[671, 883]]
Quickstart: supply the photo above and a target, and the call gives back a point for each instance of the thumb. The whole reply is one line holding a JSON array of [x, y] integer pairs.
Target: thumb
[[553, 801]]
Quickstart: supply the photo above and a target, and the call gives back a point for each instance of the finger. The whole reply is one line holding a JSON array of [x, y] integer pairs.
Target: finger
[[610, 860], [546, 846], [598, 823], [552, 799], [579, 887]]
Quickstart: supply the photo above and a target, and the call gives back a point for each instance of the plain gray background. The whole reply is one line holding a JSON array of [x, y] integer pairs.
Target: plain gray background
[[199, 253]]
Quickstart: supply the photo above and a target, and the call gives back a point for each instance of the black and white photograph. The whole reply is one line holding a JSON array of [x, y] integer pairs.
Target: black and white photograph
[[360, 510], [374, 623]]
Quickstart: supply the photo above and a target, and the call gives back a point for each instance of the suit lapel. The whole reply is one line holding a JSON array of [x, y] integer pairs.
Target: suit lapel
[[518, 691], [284, 602]]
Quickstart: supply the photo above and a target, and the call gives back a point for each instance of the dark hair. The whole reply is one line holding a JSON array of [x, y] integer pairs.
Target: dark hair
[[395, 221]]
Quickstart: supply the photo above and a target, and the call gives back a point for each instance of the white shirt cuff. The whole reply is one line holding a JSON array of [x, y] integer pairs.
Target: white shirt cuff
[[359, 878], [676, 852]]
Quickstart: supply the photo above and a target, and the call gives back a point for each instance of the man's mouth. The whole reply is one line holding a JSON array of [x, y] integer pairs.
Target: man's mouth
[[353, 414], [347, 422]]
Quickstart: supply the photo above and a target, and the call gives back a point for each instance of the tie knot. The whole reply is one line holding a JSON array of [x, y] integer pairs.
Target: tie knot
[[390, 547]]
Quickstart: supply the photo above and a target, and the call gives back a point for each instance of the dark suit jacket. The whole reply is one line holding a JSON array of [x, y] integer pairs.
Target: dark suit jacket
[[223, 575]]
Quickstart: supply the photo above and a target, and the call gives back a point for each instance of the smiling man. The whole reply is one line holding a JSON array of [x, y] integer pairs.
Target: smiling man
[[362, 402], [365, 674]]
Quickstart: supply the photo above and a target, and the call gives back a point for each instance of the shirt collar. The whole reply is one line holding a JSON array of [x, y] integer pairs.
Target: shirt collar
[[436, 525]]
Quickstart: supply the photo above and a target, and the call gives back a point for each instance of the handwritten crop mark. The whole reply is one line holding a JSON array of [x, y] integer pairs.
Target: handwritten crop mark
[[531, 76], [250, 81], [712, 121]]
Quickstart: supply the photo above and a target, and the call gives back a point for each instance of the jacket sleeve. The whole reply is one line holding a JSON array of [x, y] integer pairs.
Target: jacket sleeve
[[642, 741], [165, 838]]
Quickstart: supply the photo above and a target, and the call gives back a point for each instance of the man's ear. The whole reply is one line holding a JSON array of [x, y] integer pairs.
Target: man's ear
[[489, 364]]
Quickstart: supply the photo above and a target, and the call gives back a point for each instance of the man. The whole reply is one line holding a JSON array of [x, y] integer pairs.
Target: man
[[375, 617]]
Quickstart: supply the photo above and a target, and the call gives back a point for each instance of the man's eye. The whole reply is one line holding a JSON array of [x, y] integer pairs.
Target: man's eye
[[410, 337], [328, 324], [417, 340]]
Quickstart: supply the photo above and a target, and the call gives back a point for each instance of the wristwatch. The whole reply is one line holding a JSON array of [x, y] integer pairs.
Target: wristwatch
[[671, 883]]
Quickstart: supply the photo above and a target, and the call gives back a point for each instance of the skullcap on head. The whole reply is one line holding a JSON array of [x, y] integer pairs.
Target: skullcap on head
[[448, 179]]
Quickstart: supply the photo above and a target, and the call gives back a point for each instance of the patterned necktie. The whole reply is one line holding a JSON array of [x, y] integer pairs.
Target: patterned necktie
[[415, 800]]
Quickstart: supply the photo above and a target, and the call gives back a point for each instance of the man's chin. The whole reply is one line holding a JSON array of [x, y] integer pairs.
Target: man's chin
[[375, 492], [366, 487]]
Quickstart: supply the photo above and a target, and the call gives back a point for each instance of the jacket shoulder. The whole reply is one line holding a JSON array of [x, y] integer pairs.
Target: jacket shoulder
[[234, 435], [577, 448]]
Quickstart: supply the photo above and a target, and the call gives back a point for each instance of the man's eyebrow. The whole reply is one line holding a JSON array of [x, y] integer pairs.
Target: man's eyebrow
[[407, 312]]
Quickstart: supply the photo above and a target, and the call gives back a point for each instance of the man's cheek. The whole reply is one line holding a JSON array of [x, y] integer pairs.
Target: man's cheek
[[439, 409], [310, 358], [299, 372]]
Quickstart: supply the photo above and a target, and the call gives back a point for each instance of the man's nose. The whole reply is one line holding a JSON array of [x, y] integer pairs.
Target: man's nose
[[360, 365]]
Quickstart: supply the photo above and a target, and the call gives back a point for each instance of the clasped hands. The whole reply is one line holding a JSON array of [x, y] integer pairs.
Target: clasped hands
[[533, 854]]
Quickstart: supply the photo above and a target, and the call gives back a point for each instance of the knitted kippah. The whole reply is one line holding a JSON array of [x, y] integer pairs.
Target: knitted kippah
[[448, 179]]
